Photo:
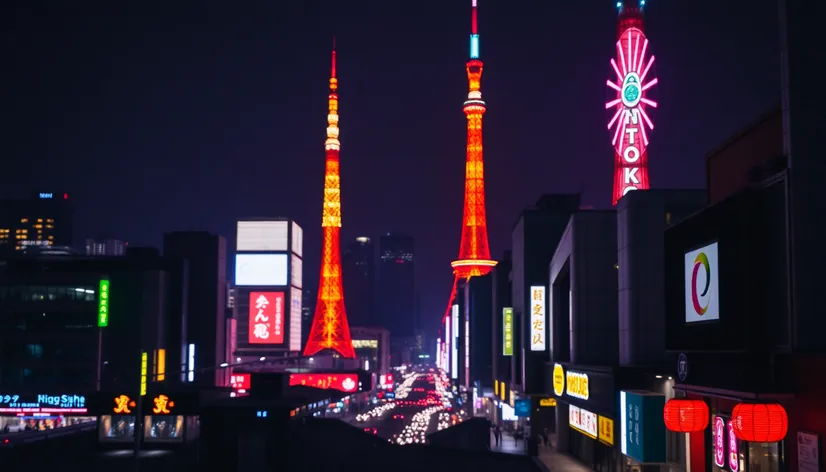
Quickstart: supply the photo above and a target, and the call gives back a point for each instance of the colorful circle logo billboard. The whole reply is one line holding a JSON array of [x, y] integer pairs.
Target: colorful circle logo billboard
[[702, 284]]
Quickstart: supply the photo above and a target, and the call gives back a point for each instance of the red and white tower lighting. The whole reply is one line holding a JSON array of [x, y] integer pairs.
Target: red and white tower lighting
[[631, 110]]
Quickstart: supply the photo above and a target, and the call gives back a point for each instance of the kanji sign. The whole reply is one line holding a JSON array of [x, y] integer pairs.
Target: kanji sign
[[537, 318], [123, 405], [507, 331], [103, 303], [163, 405], [266, 318]]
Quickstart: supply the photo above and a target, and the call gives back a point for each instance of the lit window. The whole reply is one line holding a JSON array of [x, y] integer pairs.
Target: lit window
[[24, 220], [40, 220], [668, 217]]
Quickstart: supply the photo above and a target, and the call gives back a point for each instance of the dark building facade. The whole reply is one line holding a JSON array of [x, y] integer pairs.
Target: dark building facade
[[503, 338], [535, 237], [478, 313], [45, 219], [397, 293], [359, 278], [60, 335], [205, 257]]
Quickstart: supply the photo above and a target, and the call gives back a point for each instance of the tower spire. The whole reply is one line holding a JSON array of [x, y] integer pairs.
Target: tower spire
[[330, 330]]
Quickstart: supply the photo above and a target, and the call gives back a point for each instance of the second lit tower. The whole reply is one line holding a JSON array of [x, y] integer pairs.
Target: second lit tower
[[474, 251]]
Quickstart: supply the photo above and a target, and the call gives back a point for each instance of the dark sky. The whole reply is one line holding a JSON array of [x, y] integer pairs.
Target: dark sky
[[188, 115]]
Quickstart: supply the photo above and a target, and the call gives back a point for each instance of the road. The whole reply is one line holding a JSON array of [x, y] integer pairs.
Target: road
[[422, 405]]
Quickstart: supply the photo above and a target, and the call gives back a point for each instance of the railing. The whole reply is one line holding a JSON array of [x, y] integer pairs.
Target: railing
[[25, 437]]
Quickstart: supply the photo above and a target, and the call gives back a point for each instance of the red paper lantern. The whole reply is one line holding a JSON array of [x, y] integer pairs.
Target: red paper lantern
[[760, 422], [685, 416]]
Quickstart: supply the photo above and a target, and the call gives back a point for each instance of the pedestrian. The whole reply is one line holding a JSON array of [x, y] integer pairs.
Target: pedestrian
[[545, 439], [497, 435]]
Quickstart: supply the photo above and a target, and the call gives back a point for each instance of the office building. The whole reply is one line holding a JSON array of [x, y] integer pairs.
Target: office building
[[359, 277], [396, 293], [105, 247], [45, 219], [205, 257]]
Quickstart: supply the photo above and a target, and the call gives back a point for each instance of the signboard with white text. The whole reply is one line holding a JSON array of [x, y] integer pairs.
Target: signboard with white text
[[266, 318], [583, 421]]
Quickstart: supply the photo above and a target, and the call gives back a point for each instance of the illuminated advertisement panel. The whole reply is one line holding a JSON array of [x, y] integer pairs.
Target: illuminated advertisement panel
[[266, 318], [240, 381], [262, 236], [343, 382], [583, 421], [448, 342], [438, 352], [42, 403], [537, 305], [296, 275], [507, 331], [261, 270], [702, 292], [103, 303], [295, 318], [454, 354], [298, 239]]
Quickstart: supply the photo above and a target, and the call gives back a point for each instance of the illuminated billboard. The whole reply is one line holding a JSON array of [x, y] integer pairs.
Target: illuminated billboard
[[298, 240], [22, 405], [337, 381], [266, 318], [296, 275], [507, 331], [454, 354], [448, 343], [262, 236], [295, 318], [265, 270], [103, 303], [702, 296], [537, 304], [239, 381]]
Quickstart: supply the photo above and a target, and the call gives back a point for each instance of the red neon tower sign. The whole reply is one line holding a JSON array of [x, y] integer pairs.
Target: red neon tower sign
[[330, 329], [474, 252], [630, 119]]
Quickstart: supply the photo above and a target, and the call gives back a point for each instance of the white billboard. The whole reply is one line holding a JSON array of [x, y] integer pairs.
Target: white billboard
[[262, 236], [296, 276], [298, 239], [582, 420], [702, 295], [261, 270], [454, 355], [537, 317], [295, 318]]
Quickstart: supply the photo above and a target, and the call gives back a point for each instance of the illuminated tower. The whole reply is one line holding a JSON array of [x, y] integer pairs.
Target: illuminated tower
[[629, 118], [330, 329], [474, 252]]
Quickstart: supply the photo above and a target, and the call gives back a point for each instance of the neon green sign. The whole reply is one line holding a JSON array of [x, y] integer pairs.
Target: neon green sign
[[507, 331], [103, 303]]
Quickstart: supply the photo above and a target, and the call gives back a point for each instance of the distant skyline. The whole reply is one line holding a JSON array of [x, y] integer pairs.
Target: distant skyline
[[201, 116]]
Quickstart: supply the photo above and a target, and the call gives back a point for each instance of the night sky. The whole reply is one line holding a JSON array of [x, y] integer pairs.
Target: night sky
[[189, 115]]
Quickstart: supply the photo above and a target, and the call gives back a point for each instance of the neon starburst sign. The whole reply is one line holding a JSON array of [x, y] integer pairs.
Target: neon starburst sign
[[631, 124]]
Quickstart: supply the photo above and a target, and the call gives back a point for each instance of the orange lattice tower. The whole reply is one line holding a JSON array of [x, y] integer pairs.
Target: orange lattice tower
[[474, 252], [330, 329]]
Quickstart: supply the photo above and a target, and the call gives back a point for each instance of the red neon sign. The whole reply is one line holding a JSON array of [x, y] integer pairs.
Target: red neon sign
[[266, 322], [239, 381], [343, 382], [629, 118]]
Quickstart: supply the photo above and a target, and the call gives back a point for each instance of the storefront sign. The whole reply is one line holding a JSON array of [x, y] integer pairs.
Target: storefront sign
[[642, 430], [507, 331], [808, 452], [240, 381], [559, 380], [733, 457], [719, 438], [606, 430], [583, 421], [522, 407], [537, 320], [42, 403], [577, 385], [163, 405], [547, 402], [123, 405], [144, 371]]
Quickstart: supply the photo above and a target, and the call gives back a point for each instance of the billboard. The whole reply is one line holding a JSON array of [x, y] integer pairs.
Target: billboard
[[296, 275], [295, 318], [642, 430], [103, 303], [537, 304], [298, 240], [262, 236], [583, 421], [266, 270], [702, 296], [42, 403], [337, 381], [239, 381], [266, 318], [454, 354], [507, 331], [448, 343]]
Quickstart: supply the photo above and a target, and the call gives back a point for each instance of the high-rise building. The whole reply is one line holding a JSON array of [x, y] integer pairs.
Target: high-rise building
[[397, 295], [205, 260], [359, 272], [105, 247], [330, 329], [43, 220]]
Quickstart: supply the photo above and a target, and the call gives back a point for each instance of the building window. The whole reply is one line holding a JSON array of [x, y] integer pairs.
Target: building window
[[668, 218]]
